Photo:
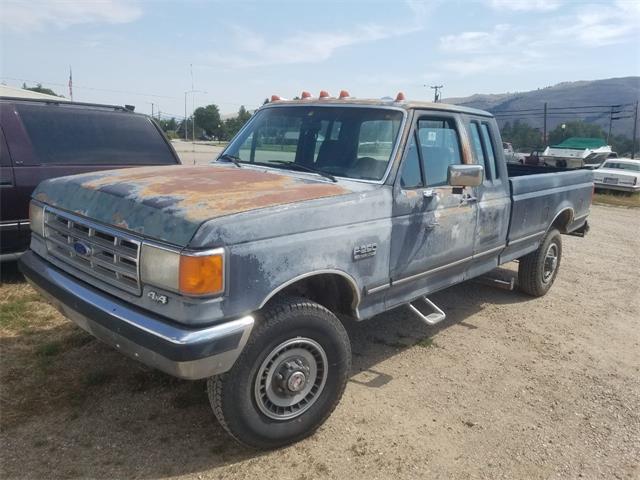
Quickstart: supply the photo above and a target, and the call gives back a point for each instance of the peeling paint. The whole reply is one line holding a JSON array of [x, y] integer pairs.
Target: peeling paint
[[169, 203]]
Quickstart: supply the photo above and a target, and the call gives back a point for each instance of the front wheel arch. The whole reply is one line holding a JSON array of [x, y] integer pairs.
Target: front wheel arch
[[335, 290]]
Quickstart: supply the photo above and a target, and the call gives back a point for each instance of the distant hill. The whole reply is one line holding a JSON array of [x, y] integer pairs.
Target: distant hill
[[612, 91]]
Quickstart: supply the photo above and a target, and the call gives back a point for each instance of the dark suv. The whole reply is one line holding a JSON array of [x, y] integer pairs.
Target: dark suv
[[46, 139]]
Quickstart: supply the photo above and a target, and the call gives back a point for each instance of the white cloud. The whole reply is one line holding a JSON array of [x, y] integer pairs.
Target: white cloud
[[540, 44], [473, 42], [25, 16], [251, 49], [254, 50], [526, 5]]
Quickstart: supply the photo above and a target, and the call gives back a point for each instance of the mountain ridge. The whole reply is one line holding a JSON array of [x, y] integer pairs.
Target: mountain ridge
[[582, 93]]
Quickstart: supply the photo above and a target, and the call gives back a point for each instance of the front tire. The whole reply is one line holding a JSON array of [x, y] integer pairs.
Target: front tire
[[538, 270], [287, 380]]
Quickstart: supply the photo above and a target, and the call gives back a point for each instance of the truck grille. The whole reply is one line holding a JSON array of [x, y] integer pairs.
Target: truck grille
[[104, 253]]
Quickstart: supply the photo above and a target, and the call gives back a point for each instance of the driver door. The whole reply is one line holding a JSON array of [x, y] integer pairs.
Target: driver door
[[433, 223]]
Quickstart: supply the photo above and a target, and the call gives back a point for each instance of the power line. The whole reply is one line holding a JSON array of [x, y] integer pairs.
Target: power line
[[540, 109], [88, 88]]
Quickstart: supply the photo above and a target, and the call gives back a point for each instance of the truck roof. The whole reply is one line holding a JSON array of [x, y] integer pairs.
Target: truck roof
[[380, 102]]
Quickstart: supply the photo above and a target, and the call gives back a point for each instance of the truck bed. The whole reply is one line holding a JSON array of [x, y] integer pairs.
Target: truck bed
[[539, 195]]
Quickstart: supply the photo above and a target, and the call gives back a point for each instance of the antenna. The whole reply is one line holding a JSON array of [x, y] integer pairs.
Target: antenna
[[437, 94]]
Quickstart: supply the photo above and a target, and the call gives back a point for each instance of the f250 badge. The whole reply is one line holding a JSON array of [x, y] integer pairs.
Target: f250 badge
[[156, 297], [364, 251]]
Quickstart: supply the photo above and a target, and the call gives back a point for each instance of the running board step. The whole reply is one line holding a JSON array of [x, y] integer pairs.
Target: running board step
[[495, 281], [435, 315]]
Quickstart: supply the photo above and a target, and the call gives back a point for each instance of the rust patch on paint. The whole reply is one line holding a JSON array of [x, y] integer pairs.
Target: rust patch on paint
[[206, 192]]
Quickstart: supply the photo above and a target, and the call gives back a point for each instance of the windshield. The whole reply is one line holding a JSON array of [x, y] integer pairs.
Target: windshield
[[623, 166], [343, 141]]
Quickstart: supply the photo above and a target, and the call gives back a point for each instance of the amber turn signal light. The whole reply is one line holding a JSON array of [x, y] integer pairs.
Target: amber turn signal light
[[201, 274]]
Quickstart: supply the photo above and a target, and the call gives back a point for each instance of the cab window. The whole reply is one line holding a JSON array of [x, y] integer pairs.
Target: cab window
[[411, 170], [439, 148]]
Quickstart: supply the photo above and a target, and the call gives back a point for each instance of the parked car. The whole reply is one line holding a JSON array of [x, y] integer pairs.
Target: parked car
[[533, 159], [618, 174], [243, 271], [45, 139]]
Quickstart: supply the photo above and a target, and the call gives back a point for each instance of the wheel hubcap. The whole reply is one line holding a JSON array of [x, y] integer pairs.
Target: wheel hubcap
[[291, 378], [550, 263]]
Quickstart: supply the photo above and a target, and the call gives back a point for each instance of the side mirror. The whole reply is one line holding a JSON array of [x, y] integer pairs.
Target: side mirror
[[465, 175]]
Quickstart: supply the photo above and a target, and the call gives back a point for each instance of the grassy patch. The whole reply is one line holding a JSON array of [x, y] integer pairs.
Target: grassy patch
[[618, 199], [98, 378], [49, 349], [15, 310], [427, 342], [388, 342]]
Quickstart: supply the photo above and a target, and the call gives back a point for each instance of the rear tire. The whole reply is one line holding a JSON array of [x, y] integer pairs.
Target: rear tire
[[538, 270], [287, 380]]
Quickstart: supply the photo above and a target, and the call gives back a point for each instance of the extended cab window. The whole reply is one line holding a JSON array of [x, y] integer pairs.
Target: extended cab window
[[343, 141], [477, 143], [85, 136], [488, 145], [439, 147]]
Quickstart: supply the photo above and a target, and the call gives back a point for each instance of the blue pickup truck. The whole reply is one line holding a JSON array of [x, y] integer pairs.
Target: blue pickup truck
[[319, 212]]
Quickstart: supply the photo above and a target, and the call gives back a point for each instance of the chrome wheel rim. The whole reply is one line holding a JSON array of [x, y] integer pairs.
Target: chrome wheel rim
[[550, 263], [291, 378]]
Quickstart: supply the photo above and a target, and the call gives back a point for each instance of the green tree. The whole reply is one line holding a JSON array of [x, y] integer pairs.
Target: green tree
[[621, 144], [233, 125], [168, 125], [208, 119], [522, 136], [190, 129], [40, 89]]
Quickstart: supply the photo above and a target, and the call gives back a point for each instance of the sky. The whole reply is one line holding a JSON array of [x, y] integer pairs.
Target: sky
[[240, 52]]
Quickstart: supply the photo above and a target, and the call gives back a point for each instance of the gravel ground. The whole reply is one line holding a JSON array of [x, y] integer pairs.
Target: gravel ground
[[198, 153], [509, 387]]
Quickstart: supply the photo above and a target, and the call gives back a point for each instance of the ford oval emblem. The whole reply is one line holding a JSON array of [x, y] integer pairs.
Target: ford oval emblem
[[81, 249]]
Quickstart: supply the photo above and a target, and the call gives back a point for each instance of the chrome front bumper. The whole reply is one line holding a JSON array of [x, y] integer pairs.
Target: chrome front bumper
[[177, 350]]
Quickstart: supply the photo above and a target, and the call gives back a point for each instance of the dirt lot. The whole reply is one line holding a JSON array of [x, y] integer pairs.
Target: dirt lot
[[199, 153], [509, 387]]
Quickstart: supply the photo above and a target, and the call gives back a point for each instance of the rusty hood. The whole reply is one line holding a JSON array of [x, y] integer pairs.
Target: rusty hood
[[170, 203]]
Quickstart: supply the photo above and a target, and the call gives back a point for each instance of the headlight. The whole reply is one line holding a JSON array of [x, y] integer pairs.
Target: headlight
[[189, 273], [36, 218]]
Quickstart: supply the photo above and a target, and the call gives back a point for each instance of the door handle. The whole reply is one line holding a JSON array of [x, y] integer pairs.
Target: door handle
[[429, 193], [467, 198]]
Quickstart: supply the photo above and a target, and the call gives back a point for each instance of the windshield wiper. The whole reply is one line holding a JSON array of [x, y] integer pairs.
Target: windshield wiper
[[305, 168], [231, 158]]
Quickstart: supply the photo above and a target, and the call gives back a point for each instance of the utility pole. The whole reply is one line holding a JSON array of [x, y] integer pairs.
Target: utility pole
[[544, 131], [152, 105], [635, 131], [614, 111], [185, 116], [610, 124], [436, 94], [70, 84]]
